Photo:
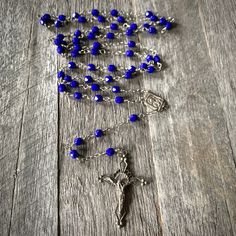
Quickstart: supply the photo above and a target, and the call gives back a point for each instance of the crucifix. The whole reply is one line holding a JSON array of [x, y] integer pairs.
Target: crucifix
[[120, 180]]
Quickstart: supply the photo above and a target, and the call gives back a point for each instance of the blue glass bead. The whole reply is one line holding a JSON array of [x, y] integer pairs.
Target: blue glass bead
[[95, 29], [60, 36], [74, 53], [110, 152], [149, 58], [150, 69], [108, 79], [115, 89], [62, 17], [162, 21], [143, 66], [46, 17], [98, 133], [94, 51], [101, 19], [111, 68], [132, 69], [95, 12], [98, 98], [121, 19], [57, 42], [61, 88], [88, 79], [67, 78], [71, 65], [78, 141], [146, 26], [60, 49], [168, 25], [119, 99], [114, 26], [77, 33], [97, 45], [110, 35], [91, 67], [128, 75], [77, 47], [129, 53], [77, 95], [152, 30], [60, 74], [133, 117], [156, 58], [73, 154], [91, 36], [95, 87], [154, 18], [129, 32], [131, 44], [74, 84], [114, 12], [57, 24], [148, 14], [75, 15], [82, 19], [133, 26], [75, 40]]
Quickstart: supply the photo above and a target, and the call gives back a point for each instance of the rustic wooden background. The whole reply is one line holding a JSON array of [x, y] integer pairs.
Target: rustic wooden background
[[188, 151]]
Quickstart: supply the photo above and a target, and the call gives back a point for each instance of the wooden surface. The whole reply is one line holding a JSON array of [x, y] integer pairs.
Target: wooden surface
[[188, 152]]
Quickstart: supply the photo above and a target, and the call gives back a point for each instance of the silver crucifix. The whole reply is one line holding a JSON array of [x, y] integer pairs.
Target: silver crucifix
[[120, 180]]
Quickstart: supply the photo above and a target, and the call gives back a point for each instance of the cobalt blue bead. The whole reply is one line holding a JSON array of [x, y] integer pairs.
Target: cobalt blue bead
[[61, 88], [111, 68], [46, 17], [128, 75], [98, 133], [95, 12], [98, 98], [78, 141], [162, 21], [97, 45], [110, 35], [74, 84], [152, 30], [95, 87], [67, 78], [108, 79], [60, 49], [82, 19], [149, 58], [101, 19], [57, 42], [114, 26], [88, 79], [150, 69], [121, 19], [57, 24], [77, 47], [95, 29], [74, 154], [132, 69], [91, 36], [71, 65], [94, 51], [77, 95], [62, 17], [133, 26], [75, 40], [133, 117], [131, 44], [154, 18], [60, 36], [74, 53], [114, 12], [148, 14], [110, 152], [129, 32], [156, 58], [60, 74], [119, 99], [168, 25], [143, 66], [129, 53], [146, 26], [115, 89], [91, 67], [77, 33], [75, 15]]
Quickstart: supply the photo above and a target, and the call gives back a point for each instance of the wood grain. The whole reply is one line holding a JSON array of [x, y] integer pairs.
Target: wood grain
[[188, 152]]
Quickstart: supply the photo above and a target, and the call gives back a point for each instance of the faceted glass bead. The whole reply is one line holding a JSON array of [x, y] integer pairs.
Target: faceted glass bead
[[95, 87], [111, 68], [110, 35], [114, 12], [95, 29], [57, 24], [95, 12], [143, 66], [108, 78], [74, 84], [77, 95], [168, 25], [162, 21], [116, 89], [77, 33], [121, 19], [71, 65], [88, 79], [91, 67], [101, 19], [133, 26], [62, 17], [131, 44], [133, 118], [68, 78], [156, 58], [114, 26], [154, 18], [152, 30], [110, 152], [82, 19], [129, 53], [98, 98], [78, 141], [74, 154], [148, 14], [61, 88], [60, 74], [119, 99], [150, 69], [98, 133]]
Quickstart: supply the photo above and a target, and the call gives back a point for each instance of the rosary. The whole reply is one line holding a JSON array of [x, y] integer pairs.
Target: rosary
[[107, 33]]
